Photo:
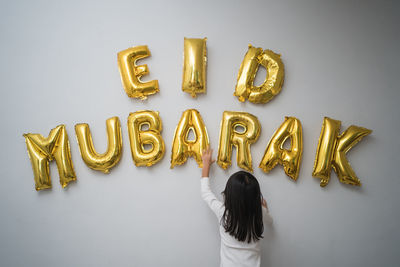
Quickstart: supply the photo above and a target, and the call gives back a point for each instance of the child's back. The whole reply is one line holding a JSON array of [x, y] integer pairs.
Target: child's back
[[241, 217], [233, 252]]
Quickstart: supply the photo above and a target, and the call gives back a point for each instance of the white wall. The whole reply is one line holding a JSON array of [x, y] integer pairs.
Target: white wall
[[59, 66]]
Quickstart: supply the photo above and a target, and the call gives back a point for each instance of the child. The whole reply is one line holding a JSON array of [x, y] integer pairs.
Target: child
[[241, 215]]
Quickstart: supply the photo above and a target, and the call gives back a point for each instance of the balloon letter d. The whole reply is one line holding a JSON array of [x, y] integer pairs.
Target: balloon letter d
[[272, 85]]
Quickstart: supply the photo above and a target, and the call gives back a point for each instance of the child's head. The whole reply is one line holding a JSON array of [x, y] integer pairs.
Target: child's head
[[243, 214]]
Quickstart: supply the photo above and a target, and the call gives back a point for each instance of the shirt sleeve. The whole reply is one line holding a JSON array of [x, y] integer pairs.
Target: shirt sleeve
[[267, 218], [208, 196]]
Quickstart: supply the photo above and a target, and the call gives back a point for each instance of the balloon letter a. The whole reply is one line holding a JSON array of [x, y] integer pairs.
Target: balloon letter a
[[182, 148], [275, 153]]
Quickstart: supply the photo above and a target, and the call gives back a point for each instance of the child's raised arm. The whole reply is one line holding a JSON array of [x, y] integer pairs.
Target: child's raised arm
[[266, 216], [206, 193], [207, 161]]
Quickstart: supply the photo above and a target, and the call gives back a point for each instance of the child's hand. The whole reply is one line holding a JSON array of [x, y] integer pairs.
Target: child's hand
[[207, 161], [264, 203], [207, 157]]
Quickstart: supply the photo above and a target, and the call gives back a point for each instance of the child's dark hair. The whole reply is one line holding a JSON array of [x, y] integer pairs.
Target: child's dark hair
[[243, 213]]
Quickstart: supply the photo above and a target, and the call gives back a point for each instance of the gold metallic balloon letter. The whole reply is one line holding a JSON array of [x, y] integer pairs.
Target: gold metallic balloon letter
[[194, 66], [131, 73], [272, 85], [41, 150], [139, 137], [275, 152], [229, 136], [332, 149], [101, 162], [182, 147]]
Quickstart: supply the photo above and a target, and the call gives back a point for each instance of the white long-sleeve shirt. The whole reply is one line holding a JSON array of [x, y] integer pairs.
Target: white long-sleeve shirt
[[234, 253]]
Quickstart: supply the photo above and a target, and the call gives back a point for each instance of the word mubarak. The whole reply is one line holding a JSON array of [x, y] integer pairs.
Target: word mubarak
[[147, 146]]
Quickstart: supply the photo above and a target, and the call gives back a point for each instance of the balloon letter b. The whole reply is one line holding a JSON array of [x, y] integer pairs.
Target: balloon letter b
[[41, 150], [101, 162], [131, 73], [229, 136], [332, 149], [275, 153], [182, 148], [272, 85], [139, 137], [194, 66]]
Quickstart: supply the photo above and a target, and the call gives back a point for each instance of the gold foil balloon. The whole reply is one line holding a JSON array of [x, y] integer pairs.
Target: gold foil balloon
[[332, 149], [131, 73], [275, 152], [139, 137], [101, 162], [182, 147], [230, 136], [194, 66], [245, 89], [41, 150]]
